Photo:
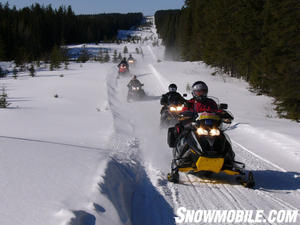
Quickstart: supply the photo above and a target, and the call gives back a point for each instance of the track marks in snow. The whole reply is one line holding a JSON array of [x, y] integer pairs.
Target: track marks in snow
[[126, 183]]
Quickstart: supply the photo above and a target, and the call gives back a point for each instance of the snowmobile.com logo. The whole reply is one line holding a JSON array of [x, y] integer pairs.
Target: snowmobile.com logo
[[235, 216]]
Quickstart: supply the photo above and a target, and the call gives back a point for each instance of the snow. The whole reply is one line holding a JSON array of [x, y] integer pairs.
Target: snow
[[90, 157]]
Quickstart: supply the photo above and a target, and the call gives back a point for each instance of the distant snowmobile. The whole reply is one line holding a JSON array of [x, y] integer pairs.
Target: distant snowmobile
[[208, 148], [123, 67], [131, 60], [135, 93], [135, 90]]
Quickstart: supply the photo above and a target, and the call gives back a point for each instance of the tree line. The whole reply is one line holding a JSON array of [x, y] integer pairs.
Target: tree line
[[32, 32], [258, 40]]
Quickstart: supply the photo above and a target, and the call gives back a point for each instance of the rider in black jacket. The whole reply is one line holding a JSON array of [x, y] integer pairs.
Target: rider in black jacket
[[171, 96]]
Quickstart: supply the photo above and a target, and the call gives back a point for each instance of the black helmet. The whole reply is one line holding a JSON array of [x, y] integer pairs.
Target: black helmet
[[134, 77], [199, 90], [172, 88]]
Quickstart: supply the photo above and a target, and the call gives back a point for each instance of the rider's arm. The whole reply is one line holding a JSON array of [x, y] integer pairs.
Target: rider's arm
[[163, 100]]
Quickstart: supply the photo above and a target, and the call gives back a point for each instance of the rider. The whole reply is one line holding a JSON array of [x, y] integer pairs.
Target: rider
[[199, 103], [130, 57], [171, 96], [134, 82], [123, 61]]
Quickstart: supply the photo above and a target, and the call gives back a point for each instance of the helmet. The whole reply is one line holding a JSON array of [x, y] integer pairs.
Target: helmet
[[172, 88], [199, 90], [134, 77]]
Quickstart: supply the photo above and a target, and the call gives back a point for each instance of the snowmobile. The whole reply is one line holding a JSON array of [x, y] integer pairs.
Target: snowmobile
[[208, 148], [131, 61], [170, 114], [123, 69], [135, 93]]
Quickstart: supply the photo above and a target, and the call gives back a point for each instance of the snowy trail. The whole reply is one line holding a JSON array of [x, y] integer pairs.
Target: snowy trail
[[221, 195]]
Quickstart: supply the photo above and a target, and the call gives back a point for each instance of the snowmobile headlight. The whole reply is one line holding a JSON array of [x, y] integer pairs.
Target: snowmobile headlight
[[172, 108], [130, 61], [202, 131], [137, 88], [214, 132], [179, 108], [134, 88]]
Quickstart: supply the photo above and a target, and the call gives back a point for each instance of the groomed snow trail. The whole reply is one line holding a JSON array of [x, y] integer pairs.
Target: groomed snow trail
[[276, 188]]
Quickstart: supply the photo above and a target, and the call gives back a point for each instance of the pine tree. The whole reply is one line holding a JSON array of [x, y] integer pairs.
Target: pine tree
[[55, 58], [137, 51], [32, 70], [15, 72], [2, 55], [120, 56], [125, 50], [83, 56], [3, 99], [115, 55], [106, 57], [100, 56]]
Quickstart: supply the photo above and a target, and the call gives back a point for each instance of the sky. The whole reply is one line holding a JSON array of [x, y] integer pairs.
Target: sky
[[147, 7]]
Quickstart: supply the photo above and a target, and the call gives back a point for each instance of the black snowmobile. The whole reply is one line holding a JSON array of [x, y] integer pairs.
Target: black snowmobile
[[135, 93], [206, 148], [170, 114]]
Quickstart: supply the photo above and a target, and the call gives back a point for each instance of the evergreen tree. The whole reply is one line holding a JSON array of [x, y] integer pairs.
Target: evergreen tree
[[55, 58], [84, 55], [1, 72], [125, 50], [120, 56], [2, 54], [106, 57], [100, 56], [115, 56], [137, 51], [15, 73], [32, 70], [3, 99]]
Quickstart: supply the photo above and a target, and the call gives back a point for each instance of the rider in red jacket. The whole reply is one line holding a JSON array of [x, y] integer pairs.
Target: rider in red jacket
[[200, 102]]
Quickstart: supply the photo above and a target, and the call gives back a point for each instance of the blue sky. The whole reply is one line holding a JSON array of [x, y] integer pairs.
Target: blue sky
[[148, 7]]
